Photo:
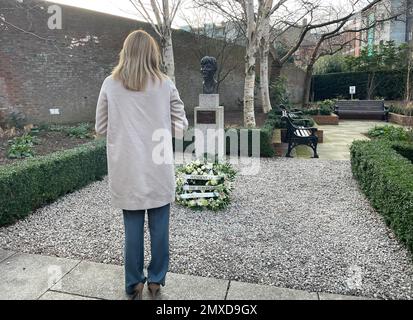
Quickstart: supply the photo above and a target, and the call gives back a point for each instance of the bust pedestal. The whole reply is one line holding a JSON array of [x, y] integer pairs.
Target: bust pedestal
[[209, 127]]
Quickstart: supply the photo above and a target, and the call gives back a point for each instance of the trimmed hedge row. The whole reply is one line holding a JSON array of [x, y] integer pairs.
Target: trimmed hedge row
[[386, 177], [390, 85], [406, 150], [266, 134], [32, 183]]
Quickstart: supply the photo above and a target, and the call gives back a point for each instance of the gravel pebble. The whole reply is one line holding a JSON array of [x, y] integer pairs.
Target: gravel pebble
[[301, 224]]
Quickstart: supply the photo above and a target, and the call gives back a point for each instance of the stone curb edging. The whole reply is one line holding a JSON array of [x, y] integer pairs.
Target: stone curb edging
[[32, 277]]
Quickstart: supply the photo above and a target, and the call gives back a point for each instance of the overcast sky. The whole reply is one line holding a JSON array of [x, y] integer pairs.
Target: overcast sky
[[122, 8], [125, 8]]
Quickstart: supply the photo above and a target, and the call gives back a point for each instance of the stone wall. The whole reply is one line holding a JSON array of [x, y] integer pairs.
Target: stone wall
[[67, 70], [43, 69], [295, 82]]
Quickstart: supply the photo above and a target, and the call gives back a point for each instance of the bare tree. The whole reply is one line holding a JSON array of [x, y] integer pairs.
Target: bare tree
[[253, 35], [408, 96], [318, 17], [267, 24], [160, 16], [214, 38], [264, 49], [254, 17], [332, 40], [325, 46]]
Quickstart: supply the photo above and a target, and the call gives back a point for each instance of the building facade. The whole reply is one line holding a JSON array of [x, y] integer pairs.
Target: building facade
[[396, 30], [352, 39]]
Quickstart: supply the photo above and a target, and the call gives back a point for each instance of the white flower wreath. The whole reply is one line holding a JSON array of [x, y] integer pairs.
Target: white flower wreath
[[202, 184]]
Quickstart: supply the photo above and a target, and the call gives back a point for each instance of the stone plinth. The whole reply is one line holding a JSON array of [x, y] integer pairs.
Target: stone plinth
[[209, 131], [209, 127], [208, 100]]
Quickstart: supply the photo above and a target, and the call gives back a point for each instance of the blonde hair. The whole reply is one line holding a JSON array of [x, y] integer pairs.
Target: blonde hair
[[139, 61]]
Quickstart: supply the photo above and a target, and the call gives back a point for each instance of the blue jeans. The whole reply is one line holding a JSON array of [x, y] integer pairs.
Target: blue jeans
[[134, 246]]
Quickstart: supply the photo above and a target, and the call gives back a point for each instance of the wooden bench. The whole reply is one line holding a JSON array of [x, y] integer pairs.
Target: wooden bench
[[298, 135], [361, 109]]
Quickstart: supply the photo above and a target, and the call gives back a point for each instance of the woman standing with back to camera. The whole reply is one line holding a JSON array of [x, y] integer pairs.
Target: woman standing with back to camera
[[135, 102]]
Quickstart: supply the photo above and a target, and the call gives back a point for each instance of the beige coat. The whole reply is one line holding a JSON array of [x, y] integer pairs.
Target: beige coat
[[140, 162]]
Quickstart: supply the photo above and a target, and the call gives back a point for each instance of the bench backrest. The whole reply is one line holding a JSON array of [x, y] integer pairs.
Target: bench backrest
[[372, 105], [290, 125]]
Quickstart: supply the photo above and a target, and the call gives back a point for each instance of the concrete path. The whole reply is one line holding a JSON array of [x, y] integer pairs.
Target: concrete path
[[337, 139], [37, 277]]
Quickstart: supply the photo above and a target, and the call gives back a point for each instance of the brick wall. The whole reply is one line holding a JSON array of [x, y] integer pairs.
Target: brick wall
[[42, 69], [66, 72]]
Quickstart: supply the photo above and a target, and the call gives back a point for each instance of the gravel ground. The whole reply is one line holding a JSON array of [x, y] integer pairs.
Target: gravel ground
[[300, 224]]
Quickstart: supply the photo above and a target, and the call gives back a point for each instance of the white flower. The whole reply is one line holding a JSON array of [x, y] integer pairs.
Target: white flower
[[213, 182], [221, 184], [202, 202]]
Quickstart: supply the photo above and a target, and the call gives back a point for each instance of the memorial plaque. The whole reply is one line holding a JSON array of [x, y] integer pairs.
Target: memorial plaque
[[199, 195], [202, 177], [206, 117], [199, 188]]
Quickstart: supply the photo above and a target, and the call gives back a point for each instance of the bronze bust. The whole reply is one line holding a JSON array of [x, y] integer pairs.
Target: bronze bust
[[209, 68]]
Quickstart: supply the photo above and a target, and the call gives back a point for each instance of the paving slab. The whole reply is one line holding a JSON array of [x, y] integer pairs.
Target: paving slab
[[4, 254], [27, 276], [332, 296], [248, 291], [55, 295], [186, 287], [338, 138], [94, 280], [103, 281]]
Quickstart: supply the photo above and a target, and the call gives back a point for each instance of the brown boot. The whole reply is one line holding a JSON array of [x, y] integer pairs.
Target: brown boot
[[137, 294], [154, 289]]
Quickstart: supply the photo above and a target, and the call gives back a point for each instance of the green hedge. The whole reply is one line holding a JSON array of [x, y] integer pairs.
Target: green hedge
[[386, 177], [30, 184], [266, 134], [405, 149], [390, 85]]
